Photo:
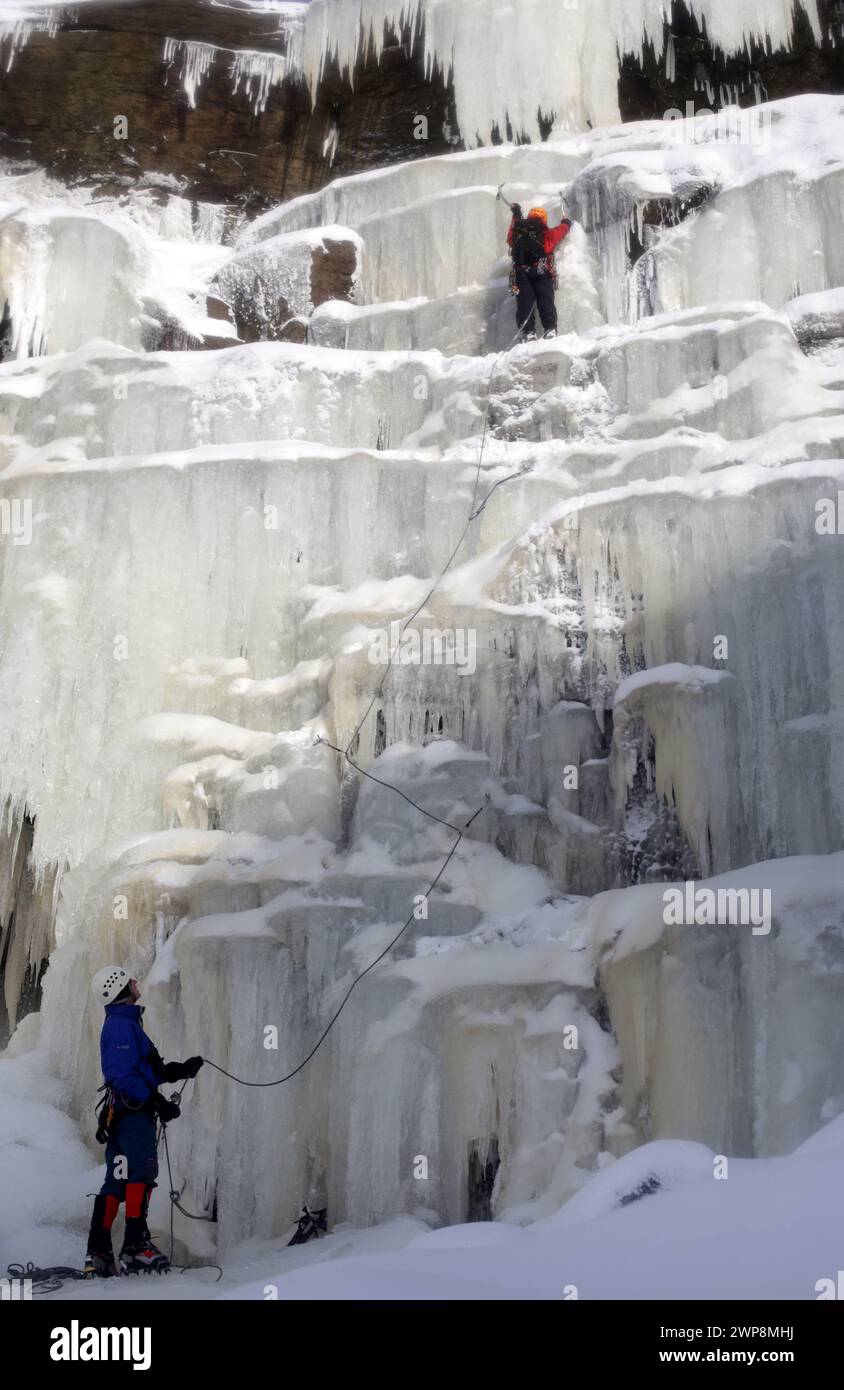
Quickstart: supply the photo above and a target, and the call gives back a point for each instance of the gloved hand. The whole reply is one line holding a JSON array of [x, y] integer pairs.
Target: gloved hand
[[167, 1110], [182, 1071], [516, 209]]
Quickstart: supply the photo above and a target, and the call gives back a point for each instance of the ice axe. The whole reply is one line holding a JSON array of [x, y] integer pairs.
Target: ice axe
[[500, 198]]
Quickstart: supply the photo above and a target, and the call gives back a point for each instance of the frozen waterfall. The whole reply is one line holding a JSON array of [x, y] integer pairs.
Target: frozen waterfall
[[631, 676]]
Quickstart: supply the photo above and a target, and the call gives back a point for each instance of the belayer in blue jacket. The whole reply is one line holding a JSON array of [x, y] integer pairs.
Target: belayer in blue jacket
[[133, 1072]]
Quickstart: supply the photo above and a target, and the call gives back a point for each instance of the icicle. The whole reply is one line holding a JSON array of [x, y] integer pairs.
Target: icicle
[[254, 71], [638, 219], [703, 82], [259, 73], [330, 143], [565, 60], [196, 61], [760, 91], [16, 31]]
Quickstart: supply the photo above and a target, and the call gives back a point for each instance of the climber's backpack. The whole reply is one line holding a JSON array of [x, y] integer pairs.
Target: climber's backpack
[[528, 245]]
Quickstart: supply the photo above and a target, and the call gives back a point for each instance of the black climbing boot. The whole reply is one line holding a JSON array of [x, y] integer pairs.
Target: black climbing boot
[[99, 1266], [99, 1261], [140, 1254]]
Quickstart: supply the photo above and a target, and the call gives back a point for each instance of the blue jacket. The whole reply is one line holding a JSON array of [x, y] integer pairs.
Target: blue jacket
[[130, 1061]]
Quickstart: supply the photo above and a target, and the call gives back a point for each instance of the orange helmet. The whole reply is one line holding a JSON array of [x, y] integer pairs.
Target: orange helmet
[[540, 213]]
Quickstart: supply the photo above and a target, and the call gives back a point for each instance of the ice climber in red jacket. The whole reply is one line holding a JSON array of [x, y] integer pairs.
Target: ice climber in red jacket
[[534, 277]]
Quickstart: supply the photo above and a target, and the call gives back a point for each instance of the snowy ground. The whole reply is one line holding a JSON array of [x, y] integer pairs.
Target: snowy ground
[[670, 1221]]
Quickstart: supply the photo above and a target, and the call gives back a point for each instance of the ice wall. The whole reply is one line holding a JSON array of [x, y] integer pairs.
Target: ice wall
[[633, 672], [673, 992], [39, 257], [654, 202], [663, 199], [130, 272], [471, 1042], [564, 65]]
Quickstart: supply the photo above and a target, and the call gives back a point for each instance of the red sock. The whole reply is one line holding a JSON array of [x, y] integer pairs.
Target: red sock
[[112, 1207], [134, 1199]]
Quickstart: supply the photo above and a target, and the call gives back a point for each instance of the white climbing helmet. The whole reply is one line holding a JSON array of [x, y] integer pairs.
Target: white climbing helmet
[[109, 982]]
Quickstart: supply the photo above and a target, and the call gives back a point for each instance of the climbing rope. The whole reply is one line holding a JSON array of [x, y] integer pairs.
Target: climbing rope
[[44, 1281], [356, 981], [346, 753]]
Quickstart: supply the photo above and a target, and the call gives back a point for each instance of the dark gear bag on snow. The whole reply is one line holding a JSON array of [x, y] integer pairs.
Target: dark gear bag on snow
[[311, 1223]]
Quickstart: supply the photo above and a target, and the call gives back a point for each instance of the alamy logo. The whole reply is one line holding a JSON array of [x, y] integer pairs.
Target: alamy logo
[[16, 519], [733, 126], [432, 646], [829, 515], [689, 905], [15, 1290], [77, 1343], [830, 1288]]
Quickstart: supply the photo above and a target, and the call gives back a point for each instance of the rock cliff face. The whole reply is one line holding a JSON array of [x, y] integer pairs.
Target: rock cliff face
[[59, 100], [272, 290]]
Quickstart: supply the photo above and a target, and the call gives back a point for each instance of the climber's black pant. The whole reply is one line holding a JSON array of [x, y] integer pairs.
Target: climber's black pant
[[536, 291], [134, 1141]]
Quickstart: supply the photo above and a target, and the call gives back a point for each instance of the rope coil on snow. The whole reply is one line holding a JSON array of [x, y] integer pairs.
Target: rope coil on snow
[[47, 1280]]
